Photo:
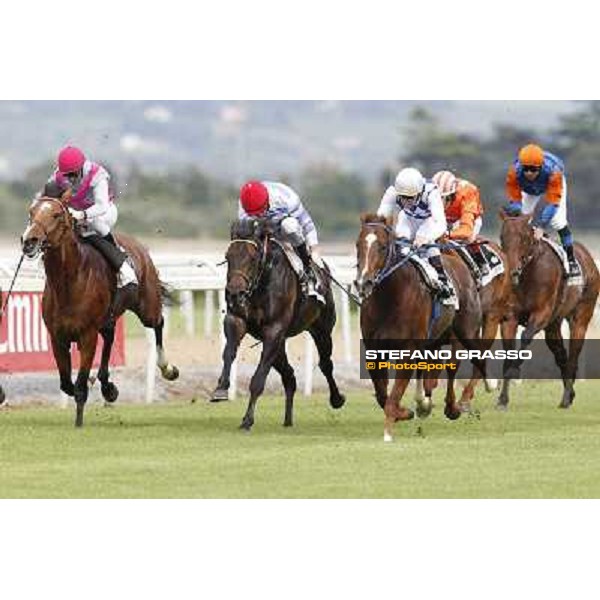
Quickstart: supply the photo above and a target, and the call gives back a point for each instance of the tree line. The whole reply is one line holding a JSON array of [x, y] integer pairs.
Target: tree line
[[189, 202]]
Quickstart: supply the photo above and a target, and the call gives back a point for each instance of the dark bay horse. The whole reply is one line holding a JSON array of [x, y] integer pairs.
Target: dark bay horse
[[79, 298], [264, 299], [399, 307], [542, 301]]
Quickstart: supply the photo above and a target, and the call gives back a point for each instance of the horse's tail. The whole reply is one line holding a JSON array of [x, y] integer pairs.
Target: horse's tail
[[167, 295]]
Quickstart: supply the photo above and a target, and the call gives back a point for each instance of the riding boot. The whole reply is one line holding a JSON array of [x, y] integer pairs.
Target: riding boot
[[307, 278], [566, 238], [479, 258], [445, 292]]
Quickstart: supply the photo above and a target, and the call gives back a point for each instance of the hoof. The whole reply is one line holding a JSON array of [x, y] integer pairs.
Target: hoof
[[405, 414], [246, 426], [452, 412], [287, 424], [69, 391], [219, 395], [424, 409], [567, 399], [465, 407], [503, 406], [337, 401], [387, 438], [110, 392], [170, 373]]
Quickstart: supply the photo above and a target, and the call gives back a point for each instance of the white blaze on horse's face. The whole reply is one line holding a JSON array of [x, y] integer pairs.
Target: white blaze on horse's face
[[370, 239]]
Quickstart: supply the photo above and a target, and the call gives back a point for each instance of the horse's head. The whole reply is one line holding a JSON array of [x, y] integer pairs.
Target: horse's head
[[372, 251], [49, 221], [517, 242], [245, 258]]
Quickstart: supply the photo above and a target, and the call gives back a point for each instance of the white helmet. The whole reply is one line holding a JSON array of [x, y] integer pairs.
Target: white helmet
[[446, 181], [409, 182]]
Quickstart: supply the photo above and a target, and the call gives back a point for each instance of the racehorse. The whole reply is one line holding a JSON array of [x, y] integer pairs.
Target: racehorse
[[397, 305], [495, 301], [264, 299], [80, 298], [542, 301]]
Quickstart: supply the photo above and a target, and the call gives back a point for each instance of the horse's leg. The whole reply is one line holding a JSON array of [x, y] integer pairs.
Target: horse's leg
[[380, 381], [393, 410], [61, 348], [578, 326], [423, 394], [554, 341], [273, 344], [168, 371], [321, 333], [110, 392], [87, 350], [452, 410], [490, 327], [283, 367], [508, 329], [2, 395], [235, 329]]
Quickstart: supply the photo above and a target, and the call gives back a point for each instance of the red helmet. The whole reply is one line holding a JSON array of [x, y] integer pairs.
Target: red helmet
[[70, 159], [254, 197]]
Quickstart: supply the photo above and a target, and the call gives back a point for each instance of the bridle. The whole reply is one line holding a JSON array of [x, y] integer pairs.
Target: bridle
[[252, 282], [390, 264], [517, 272], [45, 244]]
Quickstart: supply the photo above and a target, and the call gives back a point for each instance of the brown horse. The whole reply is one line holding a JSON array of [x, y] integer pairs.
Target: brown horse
[[80, 298], [264, 299], [399, 307], [542, 301], [495, 302]]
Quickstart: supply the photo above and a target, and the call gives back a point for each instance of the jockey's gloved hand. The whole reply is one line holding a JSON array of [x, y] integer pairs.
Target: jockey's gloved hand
[[78, 215], [513, 209]]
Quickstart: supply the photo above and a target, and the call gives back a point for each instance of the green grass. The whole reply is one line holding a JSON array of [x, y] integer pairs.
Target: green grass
[[195, 450]]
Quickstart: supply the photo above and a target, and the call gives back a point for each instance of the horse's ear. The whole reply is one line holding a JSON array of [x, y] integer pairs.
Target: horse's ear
[[65, 197]]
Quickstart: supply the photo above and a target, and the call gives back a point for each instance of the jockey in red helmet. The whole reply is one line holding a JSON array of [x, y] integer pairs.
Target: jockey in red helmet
[[91, 203], [281, 204]]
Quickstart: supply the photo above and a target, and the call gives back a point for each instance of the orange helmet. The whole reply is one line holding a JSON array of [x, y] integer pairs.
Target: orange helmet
[[531, 155]]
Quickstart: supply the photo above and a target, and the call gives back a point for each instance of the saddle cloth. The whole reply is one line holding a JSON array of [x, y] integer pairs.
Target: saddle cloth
[[432, 281], [493, 260], [296, 263], [562, 256]]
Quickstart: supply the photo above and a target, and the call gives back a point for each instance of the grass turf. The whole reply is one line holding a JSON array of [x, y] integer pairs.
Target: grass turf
[[195, 450]]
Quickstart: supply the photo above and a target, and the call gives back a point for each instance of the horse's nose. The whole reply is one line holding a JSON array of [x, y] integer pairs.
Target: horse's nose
[[364, 287], [29, 245]]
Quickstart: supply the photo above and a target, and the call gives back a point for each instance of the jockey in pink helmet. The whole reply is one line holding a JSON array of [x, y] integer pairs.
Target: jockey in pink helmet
[[91, 204]]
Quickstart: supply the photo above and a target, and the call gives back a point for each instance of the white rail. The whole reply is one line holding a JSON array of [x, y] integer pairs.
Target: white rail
[[192, 274]]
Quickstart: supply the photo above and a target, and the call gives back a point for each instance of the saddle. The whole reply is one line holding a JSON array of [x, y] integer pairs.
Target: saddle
[[564, 261], [295, 262], [495, 266], [430, 278]]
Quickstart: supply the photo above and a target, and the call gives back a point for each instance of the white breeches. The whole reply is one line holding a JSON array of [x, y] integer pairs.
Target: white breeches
[[102, 224], [427, 229], [532, 203]]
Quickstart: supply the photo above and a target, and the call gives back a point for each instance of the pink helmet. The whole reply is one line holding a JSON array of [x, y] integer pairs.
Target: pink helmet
[[446, 181], [70, 159]]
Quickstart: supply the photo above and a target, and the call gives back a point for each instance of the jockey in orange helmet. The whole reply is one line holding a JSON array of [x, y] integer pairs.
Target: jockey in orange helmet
[[463, 208], [534, 174]]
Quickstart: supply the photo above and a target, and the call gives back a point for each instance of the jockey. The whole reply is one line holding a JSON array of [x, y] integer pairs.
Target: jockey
[[280, 203], [91, 204], [536, 173], [463, 210], [418, 206]]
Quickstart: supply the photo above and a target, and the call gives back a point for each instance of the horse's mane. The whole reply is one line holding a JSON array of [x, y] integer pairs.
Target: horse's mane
[[244, 229]]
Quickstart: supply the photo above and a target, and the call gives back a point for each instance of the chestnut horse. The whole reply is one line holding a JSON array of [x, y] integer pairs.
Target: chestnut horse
[[264, 299], [543, 300], [495, 301], [399, 307], [80, 298]]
